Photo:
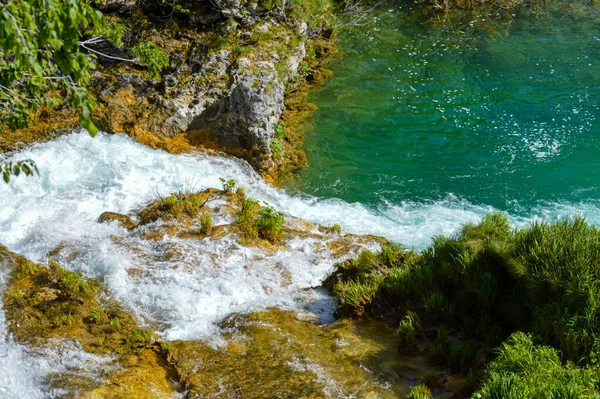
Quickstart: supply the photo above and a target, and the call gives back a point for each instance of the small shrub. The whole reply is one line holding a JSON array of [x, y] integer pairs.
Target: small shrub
[[524, 370], [247, 218], [270, 223]]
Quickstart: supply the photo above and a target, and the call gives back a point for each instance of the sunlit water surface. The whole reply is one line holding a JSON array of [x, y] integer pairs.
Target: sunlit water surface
[[485, 115]]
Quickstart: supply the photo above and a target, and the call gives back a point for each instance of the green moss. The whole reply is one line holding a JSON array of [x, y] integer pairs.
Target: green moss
[[275, 354], [177, 206], [54, 304], [247, 218]]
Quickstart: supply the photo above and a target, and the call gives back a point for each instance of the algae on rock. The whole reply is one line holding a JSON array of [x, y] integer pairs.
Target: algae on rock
[[47, 305]]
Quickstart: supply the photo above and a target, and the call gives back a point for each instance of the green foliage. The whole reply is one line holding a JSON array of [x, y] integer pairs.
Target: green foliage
[[256, 221], [228, 185], [439, 350], [462, 356], [408, 331], [247, 218], [112, 31], [139, 338], [356, 295], [524, 370], [40, 59], [280, 132], [269, 223], [98, 315], [149, 53], [276, 147], [206, 223], [73, 285], [176, 6], [419, 392], [315, 12], [27, 167]]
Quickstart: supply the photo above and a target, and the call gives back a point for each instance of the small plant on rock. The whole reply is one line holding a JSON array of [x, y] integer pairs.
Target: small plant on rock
[[228, 185], [206, 223], [270, 223]]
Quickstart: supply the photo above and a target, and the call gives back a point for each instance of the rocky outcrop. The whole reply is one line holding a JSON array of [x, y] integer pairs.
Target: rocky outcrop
[[224, 88]]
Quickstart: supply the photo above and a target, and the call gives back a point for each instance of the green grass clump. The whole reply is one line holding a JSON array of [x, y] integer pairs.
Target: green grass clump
[[356, 295], [73, 284], [523, 370], [419, 392], [247, 218], [462, 356], [206, 222], [176, 206], [228, 185], [139, 338], [408, 331]]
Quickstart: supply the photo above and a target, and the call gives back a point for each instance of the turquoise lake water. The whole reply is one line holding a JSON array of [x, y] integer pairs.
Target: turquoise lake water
[[504, 117]]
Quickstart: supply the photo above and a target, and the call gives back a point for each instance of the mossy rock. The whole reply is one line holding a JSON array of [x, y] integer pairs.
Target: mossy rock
[[45, 305], [276, 354], [177, 207], [124, 221]]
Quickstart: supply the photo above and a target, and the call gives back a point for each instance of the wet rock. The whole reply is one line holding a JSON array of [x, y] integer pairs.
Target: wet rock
[[125, 221], [48, 307], [276, 354]]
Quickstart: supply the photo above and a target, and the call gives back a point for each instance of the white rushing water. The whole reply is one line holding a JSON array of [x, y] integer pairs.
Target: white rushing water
[[187, 293]]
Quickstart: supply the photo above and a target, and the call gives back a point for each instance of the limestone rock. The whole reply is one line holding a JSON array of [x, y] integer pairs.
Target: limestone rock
[[118, 6], [255, 106]]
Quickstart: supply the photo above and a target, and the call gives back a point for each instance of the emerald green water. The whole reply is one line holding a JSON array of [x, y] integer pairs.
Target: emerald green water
[[419, 117]]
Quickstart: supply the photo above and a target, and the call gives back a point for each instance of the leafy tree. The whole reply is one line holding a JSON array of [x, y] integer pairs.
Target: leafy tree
[[45, 60], [41, 62]]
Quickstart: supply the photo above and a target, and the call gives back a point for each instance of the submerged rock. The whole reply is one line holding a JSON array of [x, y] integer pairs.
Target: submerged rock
[[277, 354]]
